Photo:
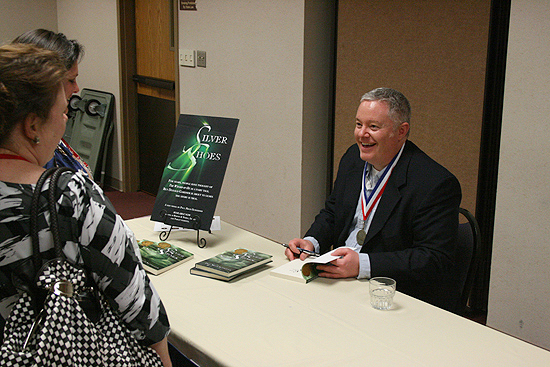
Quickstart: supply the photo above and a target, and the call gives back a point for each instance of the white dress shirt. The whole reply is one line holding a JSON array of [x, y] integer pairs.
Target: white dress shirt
[[371, 179]]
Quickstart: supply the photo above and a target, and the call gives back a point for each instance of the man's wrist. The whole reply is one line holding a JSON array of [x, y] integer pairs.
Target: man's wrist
[[315, 243], [364, 266]]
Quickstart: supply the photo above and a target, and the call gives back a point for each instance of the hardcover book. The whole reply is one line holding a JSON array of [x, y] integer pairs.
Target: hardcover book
[[303, 271], [208, 274], [232, 263], [159, 257]]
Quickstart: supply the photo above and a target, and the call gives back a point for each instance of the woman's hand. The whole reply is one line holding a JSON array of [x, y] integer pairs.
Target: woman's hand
[[162, 350]]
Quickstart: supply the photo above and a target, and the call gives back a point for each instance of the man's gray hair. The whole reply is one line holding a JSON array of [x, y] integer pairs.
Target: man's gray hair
[[399, 109]]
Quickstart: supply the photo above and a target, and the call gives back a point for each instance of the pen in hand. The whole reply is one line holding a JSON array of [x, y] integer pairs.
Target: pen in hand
[[310, 253]]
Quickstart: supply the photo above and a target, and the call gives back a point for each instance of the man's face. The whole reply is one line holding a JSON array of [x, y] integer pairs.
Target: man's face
[[376, 134]]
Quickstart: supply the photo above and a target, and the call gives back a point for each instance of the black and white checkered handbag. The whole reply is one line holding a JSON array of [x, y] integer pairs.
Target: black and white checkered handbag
[[61, 333]]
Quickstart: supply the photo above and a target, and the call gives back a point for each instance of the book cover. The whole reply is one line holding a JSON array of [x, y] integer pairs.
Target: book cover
[[303, 271], [159, 257], [232, 263], [207, 274], [193, 175], [296, 270]]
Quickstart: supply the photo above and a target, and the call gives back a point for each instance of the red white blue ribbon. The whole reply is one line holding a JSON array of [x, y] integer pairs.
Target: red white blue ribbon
[[368, 203]]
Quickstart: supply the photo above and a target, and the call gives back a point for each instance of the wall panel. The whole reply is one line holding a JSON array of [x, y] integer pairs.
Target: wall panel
[[434, 52]]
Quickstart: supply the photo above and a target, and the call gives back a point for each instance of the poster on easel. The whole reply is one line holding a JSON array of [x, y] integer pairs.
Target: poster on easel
[[193, 175]]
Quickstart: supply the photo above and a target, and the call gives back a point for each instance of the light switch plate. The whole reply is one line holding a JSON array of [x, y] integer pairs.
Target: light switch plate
[[187, 58]]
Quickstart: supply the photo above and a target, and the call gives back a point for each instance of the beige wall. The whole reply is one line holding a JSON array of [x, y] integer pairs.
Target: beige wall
[[255, 72], [519, 295], [432, 51], [19, 16], [94, 24]]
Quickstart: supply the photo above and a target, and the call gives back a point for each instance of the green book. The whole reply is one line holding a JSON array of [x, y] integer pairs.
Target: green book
[[159, 257], [207, 274], [231, 263]]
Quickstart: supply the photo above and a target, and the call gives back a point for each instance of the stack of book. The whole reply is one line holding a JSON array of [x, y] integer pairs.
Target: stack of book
[[230, 264], [158, 257]]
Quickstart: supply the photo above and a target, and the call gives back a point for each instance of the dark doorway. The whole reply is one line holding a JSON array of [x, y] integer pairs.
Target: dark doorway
[[148, 38]]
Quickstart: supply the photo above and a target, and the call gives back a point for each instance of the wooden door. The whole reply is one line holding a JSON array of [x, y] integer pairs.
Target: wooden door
[[156, 87], [154, 46]]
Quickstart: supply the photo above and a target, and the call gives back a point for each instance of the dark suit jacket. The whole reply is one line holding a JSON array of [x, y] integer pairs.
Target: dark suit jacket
[[412, 237]]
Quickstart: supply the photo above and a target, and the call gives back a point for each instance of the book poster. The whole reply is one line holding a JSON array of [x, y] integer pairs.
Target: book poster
[[193, 175]]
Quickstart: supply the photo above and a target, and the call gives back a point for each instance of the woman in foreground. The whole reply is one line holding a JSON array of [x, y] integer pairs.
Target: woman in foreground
[[32, 121]]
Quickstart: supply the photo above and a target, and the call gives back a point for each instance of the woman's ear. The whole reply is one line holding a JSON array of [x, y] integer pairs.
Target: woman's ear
[[31, 126]]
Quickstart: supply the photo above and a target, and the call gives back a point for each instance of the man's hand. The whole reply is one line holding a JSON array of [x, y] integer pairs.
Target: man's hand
[[347, 266], [293, 253]]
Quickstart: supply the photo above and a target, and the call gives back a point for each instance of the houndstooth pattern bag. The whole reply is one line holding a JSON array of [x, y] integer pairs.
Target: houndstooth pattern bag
[[61, 334]]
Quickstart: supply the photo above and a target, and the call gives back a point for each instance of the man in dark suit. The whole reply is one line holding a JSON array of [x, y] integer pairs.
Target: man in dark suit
[[393, 210]]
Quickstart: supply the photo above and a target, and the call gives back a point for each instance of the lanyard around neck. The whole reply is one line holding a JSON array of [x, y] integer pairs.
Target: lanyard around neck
[[14, 156], [368, 203]]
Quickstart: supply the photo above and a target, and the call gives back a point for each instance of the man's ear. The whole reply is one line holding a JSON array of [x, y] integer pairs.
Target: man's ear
[[403, 130], [31, 125]]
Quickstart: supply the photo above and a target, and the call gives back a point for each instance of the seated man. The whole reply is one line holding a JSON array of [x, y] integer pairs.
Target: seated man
[[393, 210]]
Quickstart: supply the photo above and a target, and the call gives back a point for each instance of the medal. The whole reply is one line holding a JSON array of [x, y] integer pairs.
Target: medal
[[361, 235]]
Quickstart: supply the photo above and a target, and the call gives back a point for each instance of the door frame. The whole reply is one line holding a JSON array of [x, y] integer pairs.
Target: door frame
[[128, 90]]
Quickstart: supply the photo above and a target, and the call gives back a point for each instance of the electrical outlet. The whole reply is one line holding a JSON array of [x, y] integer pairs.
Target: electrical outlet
[[201, 59], [187, 58]]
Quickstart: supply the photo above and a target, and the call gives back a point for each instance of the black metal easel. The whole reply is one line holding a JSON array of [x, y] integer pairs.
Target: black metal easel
[[196, 225]]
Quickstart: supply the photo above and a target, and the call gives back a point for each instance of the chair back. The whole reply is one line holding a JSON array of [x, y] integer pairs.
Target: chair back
[[469, 242]]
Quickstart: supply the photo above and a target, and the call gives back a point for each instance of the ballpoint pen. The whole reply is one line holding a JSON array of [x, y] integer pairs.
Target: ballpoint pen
[[309, 252]]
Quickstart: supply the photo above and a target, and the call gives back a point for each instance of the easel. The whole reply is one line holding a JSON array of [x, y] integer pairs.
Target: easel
[[195, 224]]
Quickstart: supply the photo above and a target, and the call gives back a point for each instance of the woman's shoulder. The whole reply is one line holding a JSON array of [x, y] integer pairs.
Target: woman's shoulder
[[76, 188], [76, 180]]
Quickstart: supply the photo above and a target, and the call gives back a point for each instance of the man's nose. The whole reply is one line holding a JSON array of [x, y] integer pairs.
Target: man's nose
[[365, 131]]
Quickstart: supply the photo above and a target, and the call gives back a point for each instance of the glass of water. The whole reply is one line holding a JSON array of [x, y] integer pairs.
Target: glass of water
[[382, 291]]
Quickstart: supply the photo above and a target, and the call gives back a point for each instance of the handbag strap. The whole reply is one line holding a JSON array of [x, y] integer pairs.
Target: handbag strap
[[88, 299], [54, 222], [54, 225]]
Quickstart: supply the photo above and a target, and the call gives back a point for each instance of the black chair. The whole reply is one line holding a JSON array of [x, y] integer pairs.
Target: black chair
[[469, 243]]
